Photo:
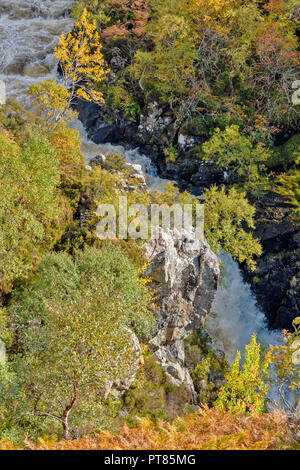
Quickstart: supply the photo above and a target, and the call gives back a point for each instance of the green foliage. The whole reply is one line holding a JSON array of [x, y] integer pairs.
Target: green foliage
[[232, 150], [245, 388], [225, 215], [289, 152], [152, 396], [5, 333], [288, 186], [287, 183], [220, 60], [67, 145], [120, 98], [206, 367], [107, 272], [30, 206], [52, 100], [43, 173], [171, 154], [146, 396], [95, 10], [13, 117]]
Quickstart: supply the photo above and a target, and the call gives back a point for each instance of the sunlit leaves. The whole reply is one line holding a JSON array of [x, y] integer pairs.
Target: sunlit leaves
[[81, 59], [226, 213], [245, 388], [52, 99], [30, 203], [235, 152], [75, 327]]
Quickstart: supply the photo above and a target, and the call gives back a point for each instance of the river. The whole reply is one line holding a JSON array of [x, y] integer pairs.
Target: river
[[29, 30]]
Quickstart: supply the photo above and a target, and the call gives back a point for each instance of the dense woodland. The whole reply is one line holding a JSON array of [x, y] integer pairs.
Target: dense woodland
[[221, 71]]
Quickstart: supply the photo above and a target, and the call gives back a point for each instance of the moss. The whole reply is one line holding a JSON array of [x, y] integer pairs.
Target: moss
[[206, 367], [171, 154], [287, 154], [114, 161]]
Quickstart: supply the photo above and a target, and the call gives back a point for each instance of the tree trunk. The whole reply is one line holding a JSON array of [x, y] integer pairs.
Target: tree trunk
[[67, 435], [65, 418]]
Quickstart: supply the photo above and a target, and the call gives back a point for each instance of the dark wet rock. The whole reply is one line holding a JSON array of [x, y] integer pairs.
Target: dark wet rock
[[102, 128], [88, 113], [106, 133]]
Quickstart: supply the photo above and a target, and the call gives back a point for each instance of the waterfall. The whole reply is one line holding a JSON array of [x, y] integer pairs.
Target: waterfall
[[235, 315], [29, 30]]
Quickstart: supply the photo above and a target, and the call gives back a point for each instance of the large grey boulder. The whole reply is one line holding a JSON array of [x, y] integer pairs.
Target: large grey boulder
[[184, 273]]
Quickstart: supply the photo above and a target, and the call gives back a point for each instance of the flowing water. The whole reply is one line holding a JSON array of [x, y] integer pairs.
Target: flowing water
[[131, 155], [29, 30], [235, 315]]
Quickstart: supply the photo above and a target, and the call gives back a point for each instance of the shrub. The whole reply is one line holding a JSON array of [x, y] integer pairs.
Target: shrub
[[73, 328], [32, 211], [245, 388], [208, 429]]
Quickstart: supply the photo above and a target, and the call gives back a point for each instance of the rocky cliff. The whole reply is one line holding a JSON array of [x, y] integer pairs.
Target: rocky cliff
[[184, 275], [276, 279]]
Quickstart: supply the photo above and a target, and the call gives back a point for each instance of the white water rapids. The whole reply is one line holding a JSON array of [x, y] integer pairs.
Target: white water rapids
[[29, 30]]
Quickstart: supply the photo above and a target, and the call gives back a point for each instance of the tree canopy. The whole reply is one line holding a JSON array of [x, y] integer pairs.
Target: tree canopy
[[74, 326]]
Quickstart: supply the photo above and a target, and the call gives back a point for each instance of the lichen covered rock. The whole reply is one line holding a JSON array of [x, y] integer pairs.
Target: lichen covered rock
[[184, 274]]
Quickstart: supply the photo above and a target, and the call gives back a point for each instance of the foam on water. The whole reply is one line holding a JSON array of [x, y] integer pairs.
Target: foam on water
[[235, 315], [131, 155]]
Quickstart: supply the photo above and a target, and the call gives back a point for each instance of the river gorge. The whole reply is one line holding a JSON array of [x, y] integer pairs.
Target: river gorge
[[29, 30]]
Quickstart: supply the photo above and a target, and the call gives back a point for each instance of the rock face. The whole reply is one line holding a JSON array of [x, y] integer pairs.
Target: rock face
[[152, 123], [135, 172], [193, 174], [184, 274], [276, 279], [98, 128]]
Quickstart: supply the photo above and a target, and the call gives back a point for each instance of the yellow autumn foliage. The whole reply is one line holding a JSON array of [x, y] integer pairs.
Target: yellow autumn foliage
[[207, 429], [81, 59]]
